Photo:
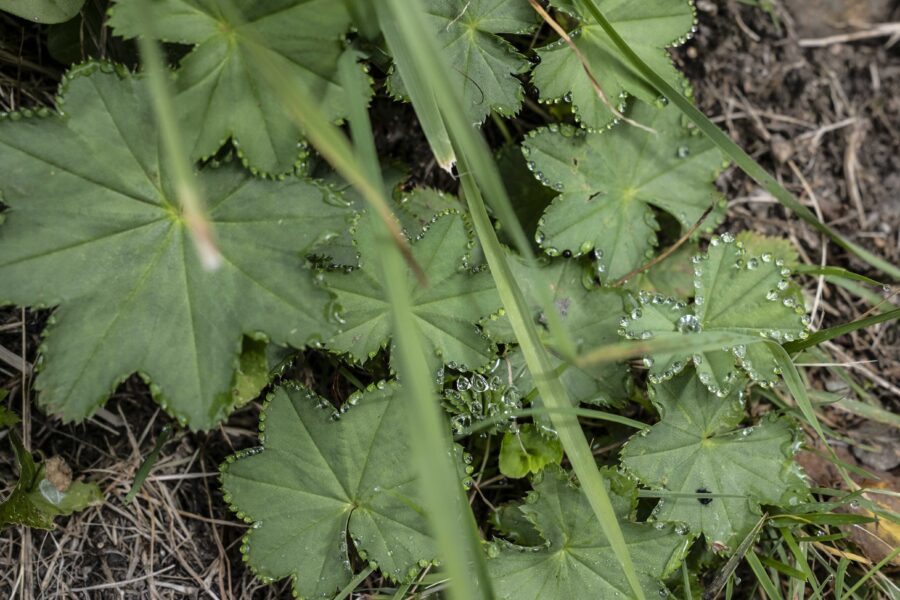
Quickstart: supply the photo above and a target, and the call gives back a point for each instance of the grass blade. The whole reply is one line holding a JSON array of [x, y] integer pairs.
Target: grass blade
[[448, 512], [762, 577], [421, 96], [735, 152], [186, 186], [478, 172], [832, 332]]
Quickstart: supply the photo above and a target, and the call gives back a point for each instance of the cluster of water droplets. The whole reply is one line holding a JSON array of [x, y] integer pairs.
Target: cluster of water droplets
[[476, 398]]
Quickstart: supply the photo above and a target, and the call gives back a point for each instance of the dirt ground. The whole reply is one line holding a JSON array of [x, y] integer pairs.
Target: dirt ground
[[822, 113]]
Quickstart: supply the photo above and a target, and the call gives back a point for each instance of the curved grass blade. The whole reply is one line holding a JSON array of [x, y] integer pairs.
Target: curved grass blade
[[478, 170], [832, 332], [735, 152], [449, 514]]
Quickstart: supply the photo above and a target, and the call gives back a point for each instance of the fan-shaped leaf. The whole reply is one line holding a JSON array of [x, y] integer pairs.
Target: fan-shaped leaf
[[319, 480], [92, 227], [484, 64], [221, 94], [610, 182], [577, 561], [739, 294], [648, 26], [696, 448]]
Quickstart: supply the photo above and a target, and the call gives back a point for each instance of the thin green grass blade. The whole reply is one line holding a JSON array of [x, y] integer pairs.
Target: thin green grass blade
[[695, 342], [421, 96], [871, 572], [448, 512], [836, 272], [148, 463], [832, 332], [543, 410], [478, 171], [348, 589], [426, 59], [762, 577], [735, 152], [193, 208]]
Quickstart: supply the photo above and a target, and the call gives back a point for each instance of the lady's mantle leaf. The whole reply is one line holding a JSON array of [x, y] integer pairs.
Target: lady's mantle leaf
[[609, 183], [696, 449], [43, 11], [445, 311], [318, 480], [649, 26], [483, 63], [591, 317], [743, 295], [220, 91], [93, 226], [577, 561]]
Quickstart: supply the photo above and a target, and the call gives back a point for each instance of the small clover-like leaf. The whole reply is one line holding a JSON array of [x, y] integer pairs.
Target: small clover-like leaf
[[222, 92], [610, 182], [94, 227], [648, 27], [445, 311], [590, 315], [322, 477], [528, 449], [696, 448], [483, 64], [577, 560], [736, 293]]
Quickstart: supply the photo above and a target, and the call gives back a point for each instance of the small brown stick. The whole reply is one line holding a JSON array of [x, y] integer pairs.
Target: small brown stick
[[584, 64], [664, 255]]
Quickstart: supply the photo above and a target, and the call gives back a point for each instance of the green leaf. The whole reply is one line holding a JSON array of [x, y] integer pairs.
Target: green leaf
[[610, 182], [93, 227], [697, 448], [484, 64], [445, 311], [649, 27], [673, 276], [591, 316], [576, 561], [44, 490], [323, 477], [220, 91], [528, 450], [8, 418], [252, 373], [737, 294], [43, 11]]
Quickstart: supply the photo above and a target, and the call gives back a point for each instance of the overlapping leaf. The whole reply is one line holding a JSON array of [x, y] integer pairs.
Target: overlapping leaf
[[576, 561], [484, 64], [223, 92], [610, 182], [319, 480], [648, 26], [592, 318], [445, 311], [93, 227], [696, 448], [745, 296]]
